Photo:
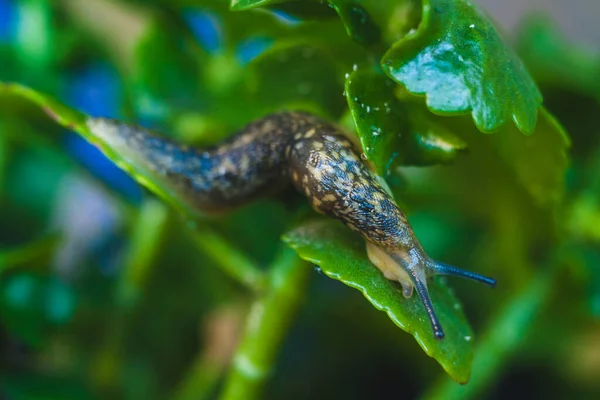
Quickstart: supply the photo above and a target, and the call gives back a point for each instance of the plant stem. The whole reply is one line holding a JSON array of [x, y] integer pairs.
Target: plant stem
[[4, 153], [201, 380], [266, 326], [502, 339], [36, 250], [232, 261], [146, 238]]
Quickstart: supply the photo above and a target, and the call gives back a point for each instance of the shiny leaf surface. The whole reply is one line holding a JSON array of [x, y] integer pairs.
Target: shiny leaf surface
[[460, 63], [341, 255]]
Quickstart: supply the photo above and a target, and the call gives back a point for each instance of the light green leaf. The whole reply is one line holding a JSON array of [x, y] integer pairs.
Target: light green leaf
[[341, 255], [80, 123]]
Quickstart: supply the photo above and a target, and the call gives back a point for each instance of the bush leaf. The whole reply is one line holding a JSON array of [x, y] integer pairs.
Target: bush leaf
[[296, 74], [341, 255], [458, 60], [394, 130]]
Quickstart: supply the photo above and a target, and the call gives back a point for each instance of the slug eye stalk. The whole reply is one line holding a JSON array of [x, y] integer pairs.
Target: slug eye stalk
[[439, 268], [448, 270], [411, 268], [436, 268]]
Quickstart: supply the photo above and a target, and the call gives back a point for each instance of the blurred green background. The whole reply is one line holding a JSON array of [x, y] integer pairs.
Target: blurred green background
[[104, 295]]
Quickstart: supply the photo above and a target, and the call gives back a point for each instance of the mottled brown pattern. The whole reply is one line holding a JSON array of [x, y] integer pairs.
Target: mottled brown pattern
[[327, 169], [262, 159], [319, 161]]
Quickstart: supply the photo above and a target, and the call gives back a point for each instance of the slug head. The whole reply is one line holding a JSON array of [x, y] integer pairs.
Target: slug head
[[411, 267]]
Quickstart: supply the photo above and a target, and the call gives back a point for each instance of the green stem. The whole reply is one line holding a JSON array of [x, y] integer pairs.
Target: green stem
[[231, 260], [146, 239], [29, 253], [501, 341], [201, 380], [4, 154], [267, 324]]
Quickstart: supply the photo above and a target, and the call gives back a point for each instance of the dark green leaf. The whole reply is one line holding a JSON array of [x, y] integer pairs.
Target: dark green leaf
[[341, 255], [359, 25], [166, 71], [373, 22], [459, 62], [297, 75], [392, 130], [305, 10]]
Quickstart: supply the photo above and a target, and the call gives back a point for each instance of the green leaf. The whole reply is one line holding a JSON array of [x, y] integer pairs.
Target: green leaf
[[296, 73], [241, 5], [358, 22], [539, 160], [460, 63], [373, 22], [393, 130], [341, 255], [78, 122], [305, 10], [166, 70]]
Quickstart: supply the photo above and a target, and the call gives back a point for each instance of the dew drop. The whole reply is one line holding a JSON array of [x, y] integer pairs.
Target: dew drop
[[354, 67], [468, 338]]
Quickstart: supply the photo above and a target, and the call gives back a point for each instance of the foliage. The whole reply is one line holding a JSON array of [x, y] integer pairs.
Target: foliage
[[105, 286]]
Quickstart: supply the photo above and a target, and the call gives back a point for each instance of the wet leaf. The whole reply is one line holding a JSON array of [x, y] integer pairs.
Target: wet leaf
[[375, 22], [341, 255], [395, 131], [460, 63]]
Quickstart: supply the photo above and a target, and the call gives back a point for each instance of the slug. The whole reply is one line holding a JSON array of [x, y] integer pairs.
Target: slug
[[312, 155]]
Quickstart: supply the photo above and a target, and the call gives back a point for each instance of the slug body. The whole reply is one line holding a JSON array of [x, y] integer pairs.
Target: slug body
[[311, 154]]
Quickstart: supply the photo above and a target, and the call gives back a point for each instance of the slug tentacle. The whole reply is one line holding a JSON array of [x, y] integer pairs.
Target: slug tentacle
[[444, 269], [317, 159]]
